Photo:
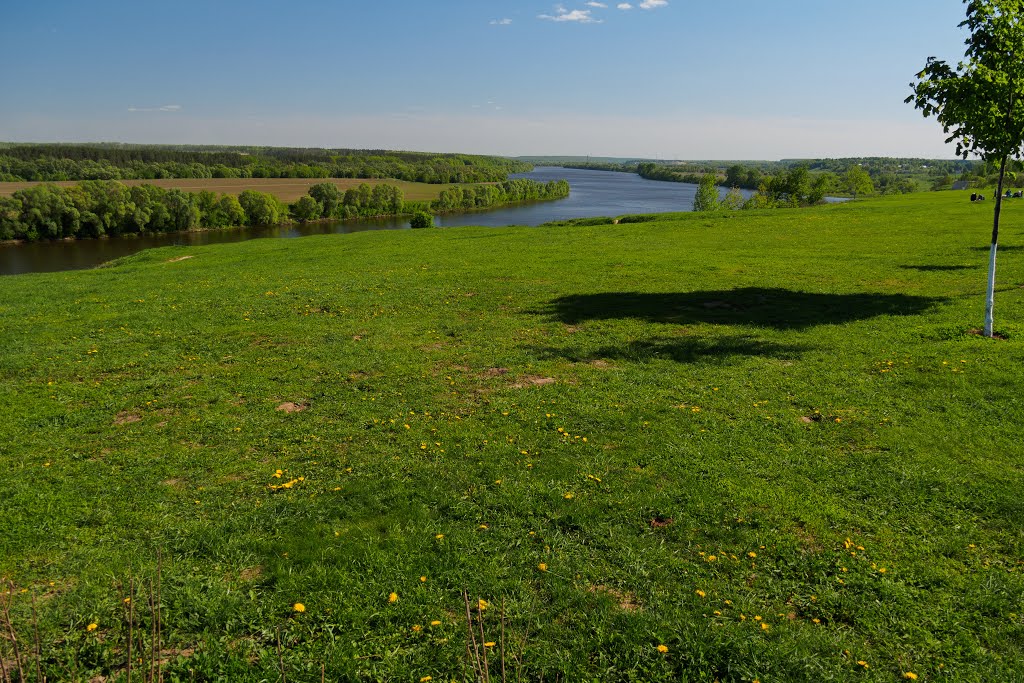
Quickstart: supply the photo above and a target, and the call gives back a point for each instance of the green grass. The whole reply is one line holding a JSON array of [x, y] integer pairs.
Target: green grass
[[618, 402]]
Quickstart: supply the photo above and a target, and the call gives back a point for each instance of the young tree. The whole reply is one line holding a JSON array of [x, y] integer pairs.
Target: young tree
[[706, 198], [980, 103], [857, 181]]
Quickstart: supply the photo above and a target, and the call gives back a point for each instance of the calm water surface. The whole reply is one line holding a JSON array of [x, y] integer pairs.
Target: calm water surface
[[594, 193]]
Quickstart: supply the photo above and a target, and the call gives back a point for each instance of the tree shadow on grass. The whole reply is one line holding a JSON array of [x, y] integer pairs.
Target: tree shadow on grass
[[931, 269], [780, 309], [678, 349]]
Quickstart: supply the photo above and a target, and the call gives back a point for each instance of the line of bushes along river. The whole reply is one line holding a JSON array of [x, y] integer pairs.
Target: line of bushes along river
[[96, 208]]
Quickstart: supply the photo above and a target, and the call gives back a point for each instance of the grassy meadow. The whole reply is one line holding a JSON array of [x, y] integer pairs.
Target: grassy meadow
[[285, 189], [752, 446]]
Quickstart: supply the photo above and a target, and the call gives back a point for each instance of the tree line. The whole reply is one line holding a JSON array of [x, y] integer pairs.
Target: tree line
[[55, 162], [97, 208], [508, 192]]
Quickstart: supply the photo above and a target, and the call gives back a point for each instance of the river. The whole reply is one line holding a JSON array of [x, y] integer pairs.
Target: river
[[593, 193]]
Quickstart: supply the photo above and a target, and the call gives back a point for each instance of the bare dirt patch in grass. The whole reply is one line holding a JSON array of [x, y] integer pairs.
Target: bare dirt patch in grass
[[627, 602], [179, 258], [125, 417], [289, 407], [533, 381], [250, 573]]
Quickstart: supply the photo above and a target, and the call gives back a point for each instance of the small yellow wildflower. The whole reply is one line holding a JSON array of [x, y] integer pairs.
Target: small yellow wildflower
[[426, 678], [543, 567], [435, 622], [439, 536], [711, 558], [489, 643], [393, 597], [863, 663], [299, 607], [764, 626], [569, 496], [92, 627], [751, 554], [910, 675], [423, 579], [700, 593], [417, 628], [663, 649], [816, 620], [757, 618], [481, 604], [127, 600]]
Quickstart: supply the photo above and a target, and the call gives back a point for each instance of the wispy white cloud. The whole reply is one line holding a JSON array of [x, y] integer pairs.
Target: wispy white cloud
[[580, 16], [594, 3], [501, 22], [166, 107], [651, 4], [624, 5]]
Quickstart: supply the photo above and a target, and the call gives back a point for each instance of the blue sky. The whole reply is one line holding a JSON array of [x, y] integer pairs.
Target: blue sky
[[661, 78]]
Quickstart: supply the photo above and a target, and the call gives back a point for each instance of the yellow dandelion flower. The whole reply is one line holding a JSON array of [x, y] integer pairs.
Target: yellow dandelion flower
[[663, 649], [816, 620], [910, 675], [416, 628], [757, 618], [127, 600], [751, 555], [299, 607], [764, 626], [92, 627], [481, 604], [543, 567], [700, 593], [569, 496], [489, 643], [439, 536], [393, 597], [711, 558], [423, 579], [426, 678], [863, 663], [435, 622]]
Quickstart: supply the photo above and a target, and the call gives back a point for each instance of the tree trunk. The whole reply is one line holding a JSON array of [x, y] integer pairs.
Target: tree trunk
[[990, 295]]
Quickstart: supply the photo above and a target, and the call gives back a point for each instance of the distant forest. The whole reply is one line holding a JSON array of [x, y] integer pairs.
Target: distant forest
[[110, 161], [832, 176]]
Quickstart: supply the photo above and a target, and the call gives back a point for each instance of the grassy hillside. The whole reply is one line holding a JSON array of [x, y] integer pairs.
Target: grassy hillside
[[767, 443]]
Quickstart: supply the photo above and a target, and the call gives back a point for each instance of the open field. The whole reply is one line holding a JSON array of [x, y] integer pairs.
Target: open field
[[765, 441], [285, 189]]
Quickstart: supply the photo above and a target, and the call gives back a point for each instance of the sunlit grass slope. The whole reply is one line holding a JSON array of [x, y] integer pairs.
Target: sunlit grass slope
[[767, 441]]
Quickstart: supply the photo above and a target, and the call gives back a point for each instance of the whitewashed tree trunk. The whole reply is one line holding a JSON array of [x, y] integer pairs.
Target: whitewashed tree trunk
[[990, 294]]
